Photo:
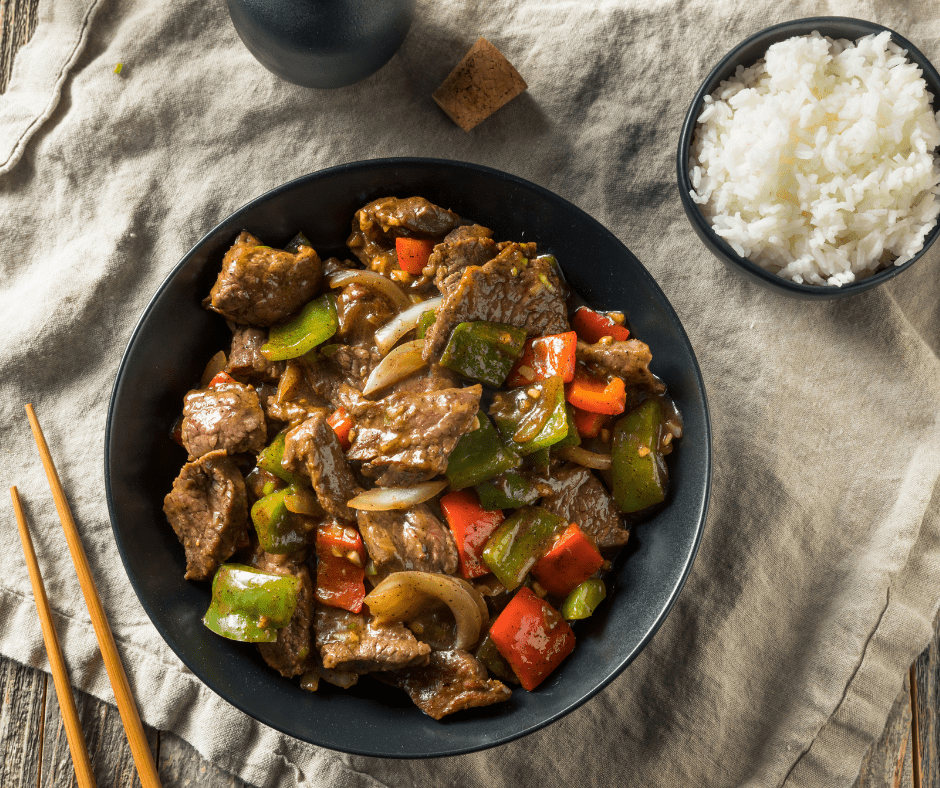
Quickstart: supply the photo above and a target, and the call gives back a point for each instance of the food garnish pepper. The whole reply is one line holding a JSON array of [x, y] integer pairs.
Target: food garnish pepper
[[296, 242], [340, 567], [532, 418], [479, 455], [413, 254], [483, 351], [250, 605], [472, 526], [570, 561], [494, 662], [595, 394], [520, 542], [270, 460], [424, 323], [583, 600], [589, 425], [279, 531], [573, 438], [342, 423], [544, 357], [593, 326], [509, 490], [532, 636], [639, 472], [312, 326]]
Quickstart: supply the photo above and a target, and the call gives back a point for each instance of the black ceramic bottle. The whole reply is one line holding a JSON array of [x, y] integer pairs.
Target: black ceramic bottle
[[322, 43]]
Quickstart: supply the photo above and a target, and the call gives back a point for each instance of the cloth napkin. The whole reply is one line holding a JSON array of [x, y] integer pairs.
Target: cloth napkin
[[816, 582]]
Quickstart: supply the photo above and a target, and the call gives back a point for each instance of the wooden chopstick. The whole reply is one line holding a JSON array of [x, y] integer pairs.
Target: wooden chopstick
[[60, 676], [915, 732], [136, 737]]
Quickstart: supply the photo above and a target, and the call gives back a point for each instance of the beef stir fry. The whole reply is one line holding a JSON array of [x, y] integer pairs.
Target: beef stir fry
[[418, 466]]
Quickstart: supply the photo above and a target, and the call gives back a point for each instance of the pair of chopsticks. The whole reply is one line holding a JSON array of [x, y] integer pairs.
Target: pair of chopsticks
[[140, 750]]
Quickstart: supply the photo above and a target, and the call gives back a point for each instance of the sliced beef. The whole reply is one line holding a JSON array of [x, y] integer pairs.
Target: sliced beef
[[432, 378], [262, 286], [511, 288], [313, 448], [628, 360], [413, 539], [456, 252], [245, 359], [208, 509], [290, 653], [406, 438], [226, 417], [465, 231], [451, 681], [575, 493], [354, 362], [354, 642], [376, 226], [295, 398], [361, 312]]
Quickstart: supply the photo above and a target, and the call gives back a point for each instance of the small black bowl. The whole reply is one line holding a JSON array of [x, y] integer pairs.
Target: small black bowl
[[747, 53], [176, 337]]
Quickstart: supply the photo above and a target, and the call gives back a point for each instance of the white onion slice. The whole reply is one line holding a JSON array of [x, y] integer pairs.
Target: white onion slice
[[402, 596], [398, 326], [216, 364], [381, 499], [397, 365], [589, 459], [374, 281]]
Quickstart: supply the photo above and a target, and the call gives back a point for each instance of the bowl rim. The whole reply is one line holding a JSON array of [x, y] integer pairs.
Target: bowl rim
[[701, 510], [771, 35]]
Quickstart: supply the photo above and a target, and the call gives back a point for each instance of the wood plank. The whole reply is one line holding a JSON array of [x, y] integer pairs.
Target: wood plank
[[888, 760], [107, 745], [927, 670], [180, 765], [17, 23], [22, 692]]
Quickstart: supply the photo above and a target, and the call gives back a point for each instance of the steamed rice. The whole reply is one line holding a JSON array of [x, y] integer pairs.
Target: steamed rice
[[819, 162]]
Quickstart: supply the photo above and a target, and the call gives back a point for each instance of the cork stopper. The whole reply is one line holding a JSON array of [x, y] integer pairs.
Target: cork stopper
[[478, 86]]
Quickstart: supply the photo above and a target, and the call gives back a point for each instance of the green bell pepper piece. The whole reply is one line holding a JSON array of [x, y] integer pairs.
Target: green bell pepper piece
[[639, 473], [572, 438], [539, 459], [584, 599], [424, 323], [250, 605], [312, 326], [270, 460], [484, 351], [478, 456], [494, 662], [529, 424], [520, 542], [296, 242], [279, 532], [509, 490]]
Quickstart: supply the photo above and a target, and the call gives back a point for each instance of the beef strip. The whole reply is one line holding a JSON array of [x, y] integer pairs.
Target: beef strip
[[406, 438], [313, 448], [511, 288], [208, 509], [290, 653], [456, 252], [451, 681], [376, 226], [576, 494], [227, 417], [413, 539], [628, 360], [354, 362], [354, 642], [295, 398], [261, 286], [360, 312], [432, 378], [245, 359]]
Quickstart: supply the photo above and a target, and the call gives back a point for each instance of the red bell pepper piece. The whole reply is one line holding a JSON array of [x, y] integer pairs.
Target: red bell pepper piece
[[532, 637], [340, 567], [413, 254], [342, 423], [592, 326], [572, 560], [543, 358], [589, 425], [596, 395], [472, 526], [221, 377]]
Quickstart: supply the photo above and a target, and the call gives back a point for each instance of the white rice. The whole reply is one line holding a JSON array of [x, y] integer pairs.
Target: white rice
[[819, 162]]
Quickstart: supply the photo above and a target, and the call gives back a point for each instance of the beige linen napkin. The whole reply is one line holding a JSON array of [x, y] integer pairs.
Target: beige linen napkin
[[816, 582]]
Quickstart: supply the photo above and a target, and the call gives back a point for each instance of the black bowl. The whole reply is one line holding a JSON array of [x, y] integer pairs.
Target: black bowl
[[747, 53], [176, 337]]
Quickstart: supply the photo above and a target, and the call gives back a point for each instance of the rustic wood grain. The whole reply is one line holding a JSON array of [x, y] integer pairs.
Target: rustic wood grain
[[887, 764], [21, 723], [927, 669], [180, 765], [17, 23]]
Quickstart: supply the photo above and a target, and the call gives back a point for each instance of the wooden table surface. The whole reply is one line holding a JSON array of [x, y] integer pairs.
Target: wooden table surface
[[34, 753]]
